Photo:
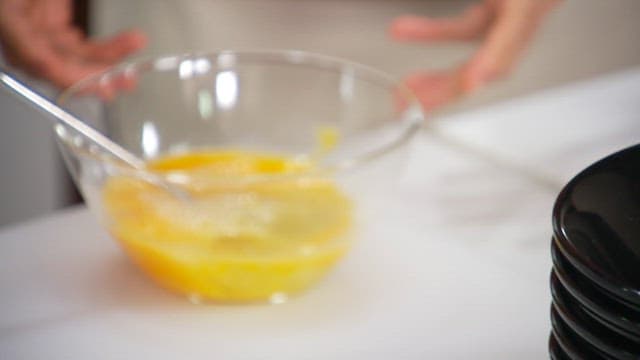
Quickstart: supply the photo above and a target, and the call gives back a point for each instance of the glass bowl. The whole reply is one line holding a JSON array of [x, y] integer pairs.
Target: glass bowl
[[280, 153]]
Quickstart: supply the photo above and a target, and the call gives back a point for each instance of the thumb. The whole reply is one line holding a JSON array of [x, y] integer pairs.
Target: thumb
[[508, 36]]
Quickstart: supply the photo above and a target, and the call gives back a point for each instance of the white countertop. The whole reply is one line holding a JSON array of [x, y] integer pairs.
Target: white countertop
[[457, 270]]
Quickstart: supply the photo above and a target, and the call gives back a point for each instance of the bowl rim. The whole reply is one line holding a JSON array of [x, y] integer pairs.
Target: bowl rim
[[170, 61]]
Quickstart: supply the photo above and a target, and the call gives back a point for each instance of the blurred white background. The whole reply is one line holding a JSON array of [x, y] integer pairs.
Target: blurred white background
[[583, 39]]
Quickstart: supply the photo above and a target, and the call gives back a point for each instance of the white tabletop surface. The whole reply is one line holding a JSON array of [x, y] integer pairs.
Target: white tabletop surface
[[458, 269]]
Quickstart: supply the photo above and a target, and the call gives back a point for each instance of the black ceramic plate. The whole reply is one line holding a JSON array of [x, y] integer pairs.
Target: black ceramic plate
[[597, 303], [596, 220], [555, 351], [573, 347], [594, 333], [577, 273]]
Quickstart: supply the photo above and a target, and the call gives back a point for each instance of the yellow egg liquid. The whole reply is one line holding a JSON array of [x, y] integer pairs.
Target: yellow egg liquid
[[257, 227]]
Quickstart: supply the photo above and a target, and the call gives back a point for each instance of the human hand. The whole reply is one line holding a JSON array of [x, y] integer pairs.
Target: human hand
[[38, 37], [505, 27]]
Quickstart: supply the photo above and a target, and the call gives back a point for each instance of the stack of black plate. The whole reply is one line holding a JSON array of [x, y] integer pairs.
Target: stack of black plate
[[595, 282]]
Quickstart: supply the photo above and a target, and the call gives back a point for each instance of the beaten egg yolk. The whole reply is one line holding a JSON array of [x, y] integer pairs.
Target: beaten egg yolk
[[256, 226]]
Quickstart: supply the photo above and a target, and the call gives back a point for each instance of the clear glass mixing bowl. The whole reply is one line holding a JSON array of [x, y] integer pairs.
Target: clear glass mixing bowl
[[295, 147]]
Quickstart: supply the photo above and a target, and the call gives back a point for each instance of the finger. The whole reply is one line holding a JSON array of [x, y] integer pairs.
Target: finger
[[470, 24], [41, 59], [51, 15], [435, 89], [125, 81], [64, 72], [117, 47], [69, 36], [69, 40], [107, 87], [514, 25], [106, 91]]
